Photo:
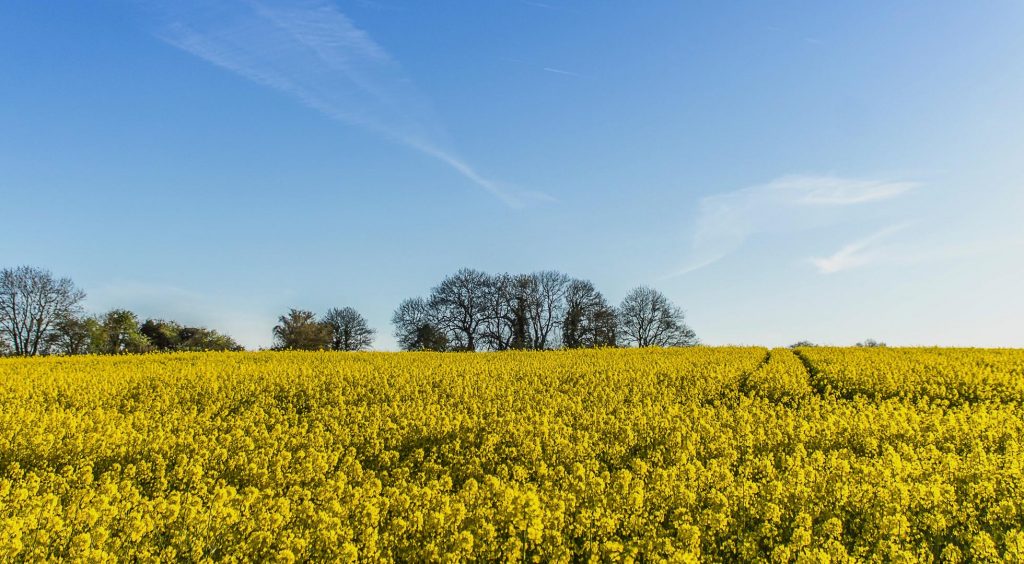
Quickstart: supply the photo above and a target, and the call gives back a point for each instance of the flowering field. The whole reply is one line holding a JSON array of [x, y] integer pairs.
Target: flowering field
[[713, 454]]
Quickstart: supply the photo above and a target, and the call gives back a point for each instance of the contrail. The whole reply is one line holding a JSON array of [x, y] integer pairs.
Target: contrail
[[316, 54]]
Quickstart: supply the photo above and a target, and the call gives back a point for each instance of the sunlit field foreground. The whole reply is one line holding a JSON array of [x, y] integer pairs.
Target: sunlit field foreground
[[711, 454]]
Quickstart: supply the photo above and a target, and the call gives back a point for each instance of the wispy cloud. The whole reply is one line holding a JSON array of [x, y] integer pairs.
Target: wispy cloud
[[790, 203], [833, 191], [552, 70], [560, 71], [546, 6], [877, 248], [857, 254], [317, 55]]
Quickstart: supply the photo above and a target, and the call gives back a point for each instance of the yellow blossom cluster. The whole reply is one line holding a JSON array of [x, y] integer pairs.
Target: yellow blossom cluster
[[945, 375], [681, 455]]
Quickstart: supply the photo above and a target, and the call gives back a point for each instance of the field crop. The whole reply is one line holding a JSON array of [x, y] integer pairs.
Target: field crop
[[697, 454], [945, 375]]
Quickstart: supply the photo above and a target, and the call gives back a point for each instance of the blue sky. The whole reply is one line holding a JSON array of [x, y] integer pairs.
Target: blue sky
[[782, 170]]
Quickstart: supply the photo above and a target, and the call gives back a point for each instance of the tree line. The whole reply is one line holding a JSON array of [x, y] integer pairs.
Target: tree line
[[472, 310], [469, 310], [42, 315]]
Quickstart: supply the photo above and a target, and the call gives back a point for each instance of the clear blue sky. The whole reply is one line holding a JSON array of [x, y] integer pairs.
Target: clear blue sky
[[783, 170]]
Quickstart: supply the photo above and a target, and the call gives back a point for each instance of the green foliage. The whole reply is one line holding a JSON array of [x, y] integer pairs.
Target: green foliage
[[75, 335], [169, 336], [162, 335], [202, 339], [119, 333], [299, 330]]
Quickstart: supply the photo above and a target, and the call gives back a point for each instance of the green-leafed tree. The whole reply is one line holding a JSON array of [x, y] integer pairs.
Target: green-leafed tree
[[169, 336], [76, 335], [119, 334], [163, 335], [203, 339], [300, 330]]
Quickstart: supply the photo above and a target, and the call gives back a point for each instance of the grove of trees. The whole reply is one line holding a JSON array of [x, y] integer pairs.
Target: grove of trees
[[340, 329], [473, 310]]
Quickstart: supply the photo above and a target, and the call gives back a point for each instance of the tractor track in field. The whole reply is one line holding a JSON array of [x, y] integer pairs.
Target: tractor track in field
[[811, 376], [744, 377]]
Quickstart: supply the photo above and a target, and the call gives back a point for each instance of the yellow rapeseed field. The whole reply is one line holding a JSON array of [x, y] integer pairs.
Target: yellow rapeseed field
[[698, 454]]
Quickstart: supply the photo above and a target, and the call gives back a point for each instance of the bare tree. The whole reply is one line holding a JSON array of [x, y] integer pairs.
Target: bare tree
[[648, 319], [299, 330], [32, 302], [546, 306], [605, 328], [459, 304], [416, 327], [497, 329], [474, 310], [589, 321], [521, 297], [507, 324], [349, 329]]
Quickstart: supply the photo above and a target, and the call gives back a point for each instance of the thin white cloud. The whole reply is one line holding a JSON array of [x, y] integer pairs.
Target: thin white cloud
[[560, 71], [316, 54], [833, 191], [552, 70], [876, 249], [789, 203], [546, 6], [857, 254]]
